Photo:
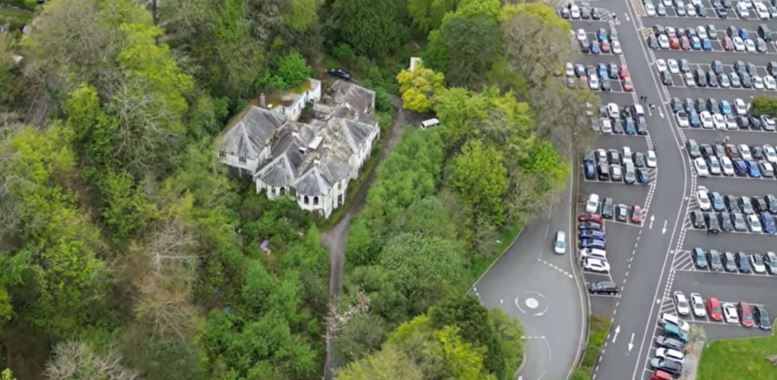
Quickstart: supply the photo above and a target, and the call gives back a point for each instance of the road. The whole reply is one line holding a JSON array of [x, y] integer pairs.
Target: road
[[543, 290], [646, 273]]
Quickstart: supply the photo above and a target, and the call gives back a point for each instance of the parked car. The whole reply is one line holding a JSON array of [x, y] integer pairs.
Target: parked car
[[729, 261], [714, 309], [713, 257], [667, 342], [745, 314], [682, 304], [699, 258], [596, 265], [592, 205], [603, 287], [730, 314], [761, 317], [339, 72], [697, 305]]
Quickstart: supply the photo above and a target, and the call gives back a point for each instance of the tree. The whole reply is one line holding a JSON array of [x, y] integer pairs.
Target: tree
[[291, 71], [386, 364], [561, 115], [764, 105], [533, 37], [479, 175], [302, 14], [79, 360], [418, 87], [125, 209], [545, 162], [509, 334], [372, 28], [360, 337], [427, 15]]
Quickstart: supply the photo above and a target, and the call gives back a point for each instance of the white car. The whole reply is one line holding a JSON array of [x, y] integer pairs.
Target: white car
[[739, 45], [664, 353], [683, 307], [560, 243], [593, 82], [731, 123], [754, 223], [569, 69], [627, 154], [714, 165], [744, 151], [770, 83], [757, 263], [730, 314], [651, 160], [674, 67], [750, 45], [612, 110], [758, 82], [706, 120], [689, 80], [770, 153], [596, 265], [581, 35], [701, 31], [762, 11], [663, 41], [697, 305], [650, 9], [724, 81], [690, 10], [616, 47], [682, 119], [661, 65], [740, 107], [574, 12], [674, 320], [594, 252], [605, 125], [719, 121], [592, 205], [742, 10], [703, 198], [701, 167], [727, 166]]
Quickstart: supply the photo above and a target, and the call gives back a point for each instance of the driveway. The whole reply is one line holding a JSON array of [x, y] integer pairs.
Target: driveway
[[542, 289]]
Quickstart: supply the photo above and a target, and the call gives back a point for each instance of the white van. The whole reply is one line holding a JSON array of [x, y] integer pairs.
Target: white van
[[429, 123]]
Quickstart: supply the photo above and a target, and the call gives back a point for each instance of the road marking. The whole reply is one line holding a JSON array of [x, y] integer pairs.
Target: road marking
[[663, 229], [652, 218], [556, 268], [631, 342], [617, 331]]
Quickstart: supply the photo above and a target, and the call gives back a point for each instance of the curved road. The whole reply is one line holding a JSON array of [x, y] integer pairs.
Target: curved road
[[541, 289]]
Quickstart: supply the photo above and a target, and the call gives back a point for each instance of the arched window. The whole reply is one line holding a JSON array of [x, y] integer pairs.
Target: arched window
[[283, 190], [315, 201], [307, 200]]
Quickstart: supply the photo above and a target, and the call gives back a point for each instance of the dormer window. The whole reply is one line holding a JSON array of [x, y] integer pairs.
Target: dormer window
[[222, 154], [242, 159]]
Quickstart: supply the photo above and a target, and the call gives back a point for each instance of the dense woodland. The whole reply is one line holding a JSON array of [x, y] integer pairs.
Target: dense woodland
[[128, 253]]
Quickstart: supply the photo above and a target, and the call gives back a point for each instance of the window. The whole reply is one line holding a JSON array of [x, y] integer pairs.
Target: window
[[222, 154], [242, 159], [315, 201], [340, 199], [283, 190], [307, 200], [274, 191]]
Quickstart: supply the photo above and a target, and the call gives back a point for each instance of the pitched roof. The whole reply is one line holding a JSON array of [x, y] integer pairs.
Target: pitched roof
[[252, 133], [312, 183]]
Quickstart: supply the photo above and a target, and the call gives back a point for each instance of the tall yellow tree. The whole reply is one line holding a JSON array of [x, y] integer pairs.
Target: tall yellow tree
[[418, 87]]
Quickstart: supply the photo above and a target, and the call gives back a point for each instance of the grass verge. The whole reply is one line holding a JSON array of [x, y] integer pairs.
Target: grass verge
[[481, 264], [741, 358], [597, 333]]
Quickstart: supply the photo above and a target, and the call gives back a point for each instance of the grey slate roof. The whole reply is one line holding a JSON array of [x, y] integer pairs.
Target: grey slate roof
[[312, 183], [252, 133]]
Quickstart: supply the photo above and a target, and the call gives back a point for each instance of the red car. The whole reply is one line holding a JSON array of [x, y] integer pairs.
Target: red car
[[636, 214], [605, 46], [589, 218], [623, 72], [728, 44], [660, 375], [674, 43], [627, 85], [713, 309], [745, 315], [685, 44]]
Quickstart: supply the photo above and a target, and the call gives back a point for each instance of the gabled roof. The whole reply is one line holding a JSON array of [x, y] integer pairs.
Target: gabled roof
[[312, 183], [252, 133]]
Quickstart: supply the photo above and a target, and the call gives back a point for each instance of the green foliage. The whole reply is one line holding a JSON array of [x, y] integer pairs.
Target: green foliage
[[545, 162], [372, 28], [479, 175], [302, 14], [360, 337], [291, 71], [764, 105], [386, 364], [509, 334], [598, 326], [428, 14], [172, 359], [418, 88], [126, 211]]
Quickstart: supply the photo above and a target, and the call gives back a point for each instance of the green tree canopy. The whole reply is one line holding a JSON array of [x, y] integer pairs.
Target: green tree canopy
[[372, 28], [479, 175]]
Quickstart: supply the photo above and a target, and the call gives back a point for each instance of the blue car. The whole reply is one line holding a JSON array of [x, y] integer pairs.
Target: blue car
[[767, 222], [629, 127], [752, 169], [592, 243], [591, 234], [601, 34], [693, 119], [602, 70], [740, 167], [594, 47], [743, 34], [725, 107], [695, 43], [589, 170], [706, 45]]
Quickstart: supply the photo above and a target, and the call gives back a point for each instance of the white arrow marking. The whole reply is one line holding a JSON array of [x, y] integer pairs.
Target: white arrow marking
[[617, 330], [652, 218], [631, 342], [627, 17], [663, 229], [661, 113]]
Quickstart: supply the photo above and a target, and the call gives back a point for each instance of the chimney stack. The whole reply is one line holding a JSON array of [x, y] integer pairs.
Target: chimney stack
[[262, 100]]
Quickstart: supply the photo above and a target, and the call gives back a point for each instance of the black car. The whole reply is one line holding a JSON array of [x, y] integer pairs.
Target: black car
[[761, 318], [725, 222], [759, 204], [607, 208], [675, 344], [713, 227], [338, 72], [729, 261], [699, 259], [603, 287], [589, 169], [666, 78], [667, 365], [697, 219], [715, 263], [743, 264], [706, 150], [604, 171], [642, 176]]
